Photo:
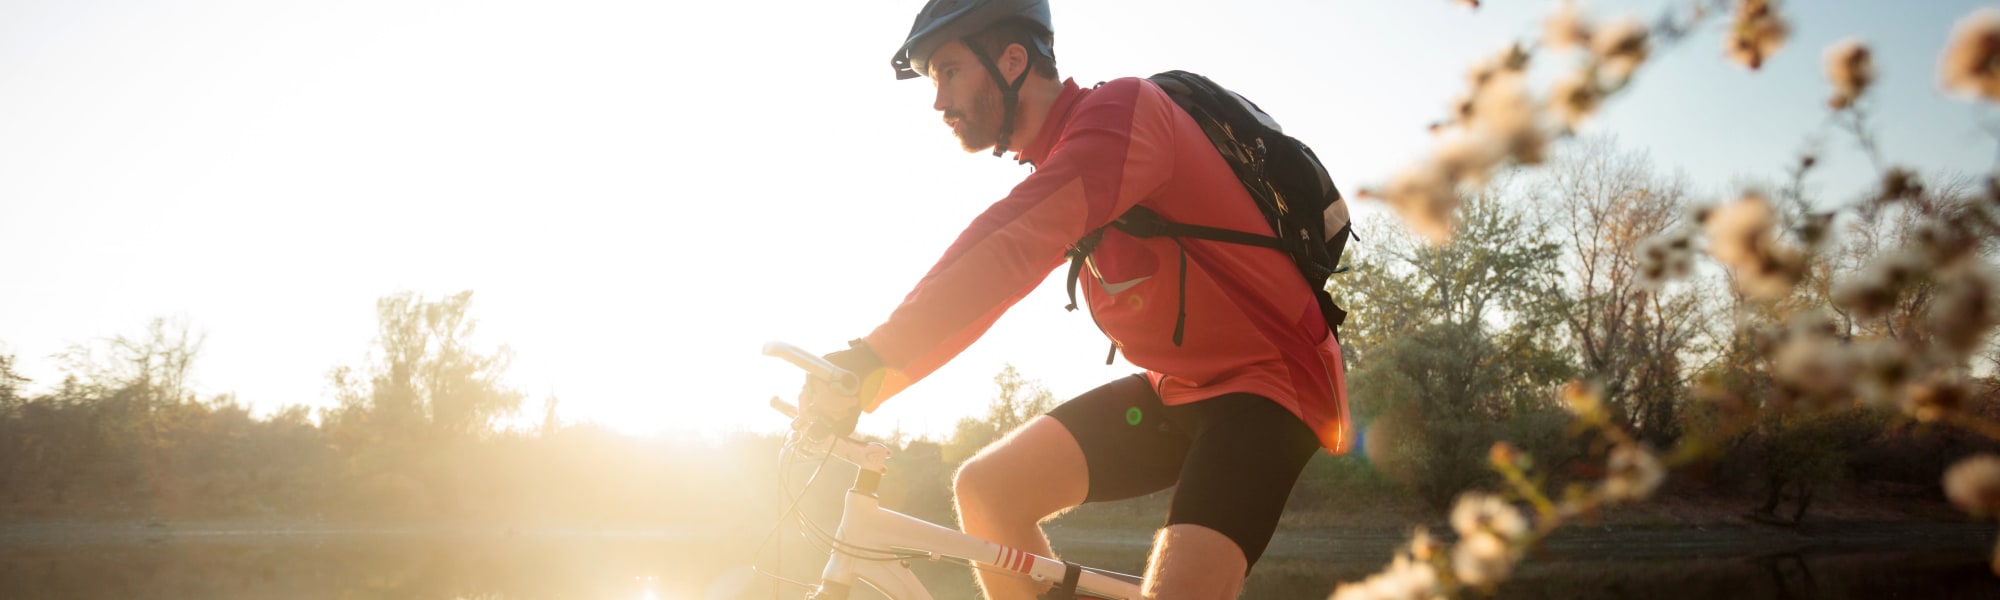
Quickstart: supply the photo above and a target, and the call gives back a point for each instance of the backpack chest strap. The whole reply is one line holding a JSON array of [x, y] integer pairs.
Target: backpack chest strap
[[1141, 222]]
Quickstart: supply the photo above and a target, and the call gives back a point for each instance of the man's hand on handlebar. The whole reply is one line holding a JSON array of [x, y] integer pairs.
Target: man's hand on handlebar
[[832, 411], [828, 410]]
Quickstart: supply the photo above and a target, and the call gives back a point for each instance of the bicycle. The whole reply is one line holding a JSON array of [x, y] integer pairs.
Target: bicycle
[[874, 545]]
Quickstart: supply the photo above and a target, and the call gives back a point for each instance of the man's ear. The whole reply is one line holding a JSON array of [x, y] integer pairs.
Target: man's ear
[[1013, 62]]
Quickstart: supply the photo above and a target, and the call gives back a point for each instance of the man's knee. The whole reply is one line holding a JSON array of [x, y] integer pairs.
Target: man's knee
[[988, 484], [976, 479], [1030, 474]]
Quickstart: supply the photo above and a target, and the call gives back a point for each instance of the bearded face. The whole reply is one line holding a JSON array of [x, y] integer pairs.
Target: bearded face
[[977, 125], [968, 97]]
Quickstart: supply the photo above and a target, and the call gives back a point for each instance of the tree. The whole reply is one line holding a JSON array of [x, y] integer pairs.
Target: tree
[[418, 409], [10, 384], [1863, 293], [1630, 336], [1452, 343], [551, 422], [1018, 400], [14, 435], [158, 361], [427, 381], [1879, 237]]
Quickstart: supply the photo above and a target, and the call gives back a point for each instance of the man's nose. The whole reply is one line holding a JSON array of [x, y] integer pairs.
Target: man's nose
[[938, 103]]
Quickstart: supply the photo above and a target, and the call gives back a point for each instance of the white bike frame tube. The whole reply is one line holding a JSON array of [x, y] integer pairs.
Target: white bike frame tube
[[864, 523], [891, 578]]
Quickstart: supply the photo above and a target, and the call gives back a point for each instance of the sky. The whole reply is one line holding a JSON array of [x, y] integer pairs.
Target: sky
[[640, 194]]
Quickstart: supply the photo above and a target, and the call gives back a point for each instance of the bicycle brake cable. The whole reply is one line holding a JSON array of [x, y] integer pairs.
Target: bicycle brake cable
[[830, 542], [785, 454]]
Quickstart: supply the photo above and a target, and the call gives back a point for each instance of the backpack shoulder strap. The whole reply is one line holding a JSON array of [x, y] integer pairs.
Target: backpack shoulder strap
[[1142, 222]]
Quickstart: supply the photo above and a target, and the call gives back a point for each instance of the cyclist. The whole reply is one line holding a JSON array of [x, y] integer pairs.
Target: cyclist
[[1243, 381]]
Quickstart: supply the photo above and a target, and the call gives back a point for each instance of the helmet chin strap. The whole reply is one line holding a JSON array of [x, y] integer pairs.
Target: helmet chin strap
[[1010, 95]]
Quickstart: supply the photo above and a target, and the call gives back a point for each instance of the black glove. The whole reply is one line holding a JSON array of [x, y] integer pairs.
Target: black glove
[[834, 412]]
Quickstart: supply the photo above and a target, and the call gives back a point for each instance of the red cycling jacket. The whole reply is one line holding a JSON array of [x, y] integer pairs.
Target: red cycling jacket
[[1253, 324]]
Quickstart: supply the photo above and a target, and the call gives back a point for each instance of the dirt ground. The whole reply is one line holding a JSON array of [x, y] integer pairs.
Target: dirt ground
[[1627, 558]]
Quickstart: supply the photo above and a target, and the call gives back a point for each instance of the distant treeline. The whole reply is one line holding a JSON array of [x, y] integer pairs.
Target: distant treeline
[[412, 438], [1450, 348]]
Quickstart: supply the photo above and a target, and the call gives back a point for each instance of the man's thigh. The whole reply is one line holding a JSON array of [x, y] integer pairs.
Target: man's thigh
[[1246, 453], [1128, 446], [1031, 473]]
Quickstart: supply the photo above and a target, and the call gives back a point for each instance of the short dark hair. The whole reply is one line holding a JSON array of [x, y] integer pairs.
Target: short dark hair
[[995, 39]]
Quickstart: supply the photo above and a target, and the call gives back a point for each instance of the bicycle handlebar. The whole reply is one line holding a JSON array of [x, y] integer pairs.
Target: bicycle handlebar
[[784, 408], [842, 381]]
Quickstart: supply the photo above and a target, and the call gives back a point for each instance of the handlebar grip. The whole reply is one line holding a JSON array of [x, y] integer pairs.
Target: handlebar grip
[[842, 380], [784, 408]]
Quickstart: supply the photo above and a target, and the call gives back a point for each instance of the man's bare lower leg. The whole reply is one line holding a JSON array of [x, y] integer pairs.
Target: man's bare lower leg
[[1005, 492], [1192, 562]]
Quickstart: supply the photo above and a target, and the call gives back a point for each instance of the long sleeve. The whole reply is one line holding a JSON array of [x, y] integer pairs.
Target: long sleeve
[[1114, 150]]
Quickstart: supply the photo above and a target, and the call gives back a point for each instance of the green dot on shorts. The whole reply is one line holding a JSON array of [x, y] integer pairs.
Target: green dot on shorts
[[1132, 416]]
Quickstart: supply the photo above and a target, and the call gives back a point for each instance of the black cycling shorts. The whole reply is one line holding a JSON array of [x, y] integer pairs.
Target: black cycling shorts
[[1234, 456]]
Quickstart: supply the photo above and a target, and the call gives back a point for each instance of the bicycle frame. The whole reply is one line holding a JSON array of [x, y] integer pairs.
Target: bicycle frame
[[865, 524]]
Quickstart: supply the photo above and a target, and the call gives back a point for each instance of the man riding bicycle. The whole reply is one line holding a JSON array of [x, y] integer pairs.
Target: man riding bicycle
[[1243, 381]]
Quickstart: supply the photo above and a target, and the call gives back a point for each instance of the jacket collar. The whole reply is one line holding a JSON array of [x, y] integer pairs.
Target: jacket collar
[[1052, 126]]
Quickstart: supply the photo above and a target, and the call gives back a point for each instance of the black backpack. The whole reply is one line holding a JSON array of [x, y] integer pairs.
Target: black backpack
[[1283, 176]]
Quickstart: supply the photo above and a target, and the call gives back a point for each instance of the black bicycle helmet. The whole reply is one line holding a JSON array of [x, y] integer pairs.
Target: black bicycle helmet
[[942, 21]]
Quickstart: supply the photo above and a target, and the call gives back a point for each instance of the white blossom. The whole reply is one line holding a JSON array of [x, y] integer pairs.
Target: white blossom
[[1741, 235], [1850, 68], [1634, 474], [1971, 61], [1565, 28], [1478, 512], [1973, 485], [1755, 33], [1481, 559], [1620, 48]]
